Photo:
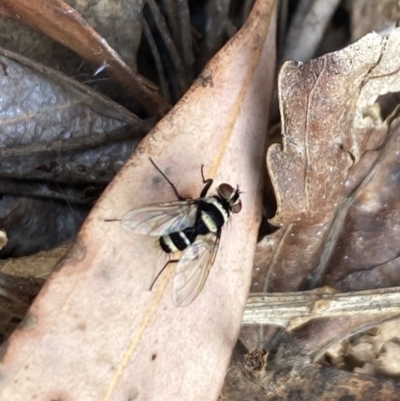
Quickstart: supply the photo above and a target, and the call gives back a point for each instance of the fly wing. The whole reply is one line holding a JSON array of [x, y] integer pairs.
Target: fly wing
[[193, 268], [159, 219]]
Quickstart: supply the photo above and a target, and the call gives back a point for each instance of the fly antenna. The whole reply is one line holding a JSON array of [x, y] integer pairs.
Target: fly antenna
[[178, 195]]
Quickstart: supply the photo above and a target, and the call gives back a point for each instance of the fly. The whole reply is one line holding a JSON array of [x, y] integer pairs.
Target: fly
[[190, 226]]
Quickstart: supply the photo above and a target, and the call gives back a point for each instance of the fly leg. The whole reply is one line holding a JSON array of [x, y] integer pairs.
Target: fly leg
[[159, 273], [178, 195], [208, 182]]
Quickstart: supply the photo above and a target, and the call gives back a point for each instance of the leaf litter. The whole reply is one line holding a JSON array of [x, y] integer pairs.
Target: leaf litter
[[114, 280], [347, 238], [336, 179]]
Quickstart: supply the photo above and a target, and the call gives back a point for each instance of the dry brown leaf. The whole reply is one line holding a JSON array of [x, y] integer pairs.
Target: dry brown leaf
[[20, 281], [96, 316], [314, 183], [40, 265]]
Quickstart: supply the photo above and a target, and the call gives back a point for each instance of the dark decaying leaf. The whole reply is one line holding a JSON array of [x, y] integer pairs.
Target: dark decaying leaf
[[336, 179], [55, 130], [29, 228], [306, 383], [46, 117], [118, 22]]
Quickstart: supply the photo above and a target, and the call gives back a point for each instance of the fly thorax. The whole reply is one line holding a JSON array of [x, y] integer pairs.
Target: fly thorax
[[222, 209], [209, 222]]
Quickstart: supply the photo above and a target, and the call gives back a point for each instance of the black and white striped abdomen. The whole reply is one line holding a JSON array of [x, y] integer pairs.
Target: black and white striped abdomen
[[178, 241], [211, 216]]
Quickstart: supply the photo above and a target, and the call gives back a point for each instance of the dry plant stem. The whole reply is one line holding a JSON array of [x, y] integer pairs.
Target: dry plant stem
[[171, 48], [157, 59], [247, 6], [62, 23], [170, 11], [334, 234], [43, 190], [307, 28], [74, 144], [218, 25], [185, 38], [291, 310], [179, 22], [282, 27]]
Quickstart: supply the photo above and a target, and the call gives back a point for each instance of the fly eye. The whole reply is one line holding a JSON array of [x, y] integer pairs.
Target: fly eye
[[225, 191], [237, 207]]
